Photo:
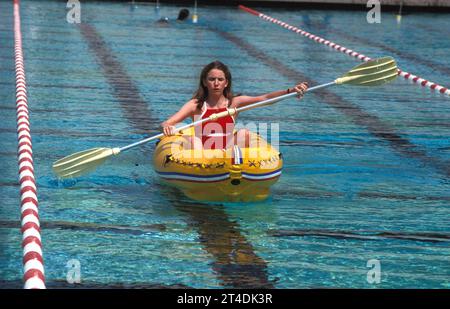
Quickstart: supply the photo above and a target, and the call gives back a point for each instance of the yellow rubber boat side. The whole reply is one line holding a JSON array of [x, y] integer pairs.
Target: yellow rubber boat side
[[232, 175]]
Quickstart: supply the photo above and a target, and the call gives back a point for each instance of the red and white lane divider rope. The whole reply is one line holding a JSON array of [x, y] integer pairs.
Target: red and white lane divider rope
[[414, 78], [33, 265]]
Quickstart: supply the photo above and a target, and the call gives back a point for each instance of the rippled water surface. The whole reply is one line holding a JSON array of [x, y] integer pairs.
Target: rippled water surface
[[366, 173]]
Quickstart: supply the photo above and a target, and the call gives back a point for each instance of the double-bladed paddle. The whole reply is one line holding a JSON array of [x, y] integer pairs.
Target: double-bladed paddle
[[372, 73]]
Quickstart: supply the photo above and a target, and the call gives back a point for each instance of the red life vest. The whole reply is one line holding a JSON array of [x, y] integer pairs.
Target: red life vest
[[214, 134]]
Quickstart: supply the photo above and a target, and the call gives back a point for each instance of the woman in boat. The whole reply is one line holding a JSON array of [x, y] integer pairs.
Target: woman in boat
[[214, 95]]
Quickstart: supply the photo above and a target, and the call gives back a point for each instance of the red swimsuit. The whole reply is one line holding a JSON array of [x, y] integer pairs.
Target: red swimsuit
[[214, 134]]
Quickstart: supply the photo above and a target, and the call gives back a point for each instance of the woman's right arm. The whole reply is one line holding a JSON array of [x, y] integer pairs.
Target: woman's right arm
[[187, 110]]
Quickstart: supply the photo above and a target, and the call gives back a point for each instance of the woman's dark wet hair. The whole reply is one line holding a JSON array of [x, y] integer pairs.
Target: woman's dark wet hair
[[183, 14], [202, 92]]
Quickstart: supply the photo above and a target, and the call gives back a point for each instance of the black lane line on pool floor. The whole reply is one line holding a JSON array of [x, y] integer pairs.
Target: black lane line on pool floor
[[85, 284], [361, 235], [251, 272], [403, 197], [372, 123], [92, 227], [135, 108]]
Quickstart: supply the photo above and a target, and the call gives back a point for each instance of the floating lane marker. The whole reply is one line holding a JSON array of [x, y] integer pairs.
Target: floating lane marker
[[33, 264], [414, 78]]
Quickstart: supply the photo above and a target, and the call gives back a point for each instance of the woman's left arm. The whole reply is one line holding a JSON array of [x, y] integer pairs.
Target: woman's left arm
[[241, 101]]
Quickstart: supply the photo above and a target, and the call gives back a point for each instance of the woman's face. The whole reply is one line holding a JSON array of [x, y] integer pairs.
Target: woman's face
[[215, 81]]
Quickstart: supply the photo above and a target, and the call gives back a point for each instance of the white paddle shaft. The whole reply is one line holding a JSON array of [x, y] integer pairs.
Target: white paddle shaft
[[230, 112]]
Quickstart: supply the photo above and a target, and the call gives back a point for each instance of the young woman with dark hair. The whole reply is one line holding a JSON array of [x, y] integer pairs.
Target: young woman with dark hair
[[214, 95]]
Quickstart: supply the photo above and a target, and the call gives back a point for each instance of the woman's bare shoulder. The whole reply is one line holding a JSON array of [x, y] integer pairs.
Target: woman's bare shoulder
[[192, 105]]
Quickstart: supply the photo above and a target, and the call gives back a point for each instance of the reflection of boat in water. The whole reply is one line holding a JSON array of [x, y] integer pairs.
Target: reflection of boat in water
[[232, 175]]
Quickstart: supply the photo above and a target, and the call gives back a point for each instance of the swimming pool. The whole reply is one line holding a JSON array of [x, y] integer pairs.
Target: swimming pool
[[365, 179]]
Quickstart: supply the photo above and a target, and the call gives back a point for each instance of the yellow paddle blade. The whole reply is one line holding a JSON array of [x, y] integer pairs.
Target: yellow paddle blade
[[371, 73], [82, 162]]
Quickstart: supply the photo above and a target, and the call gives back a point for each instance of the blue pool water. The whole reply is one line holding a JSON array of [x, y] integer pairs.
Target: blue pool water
[[366, 173]]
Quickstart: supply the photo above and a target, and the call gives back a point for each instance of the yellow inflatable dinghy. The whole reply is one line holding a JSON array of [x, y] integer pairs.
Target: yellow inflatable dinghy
[[232, 175]]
